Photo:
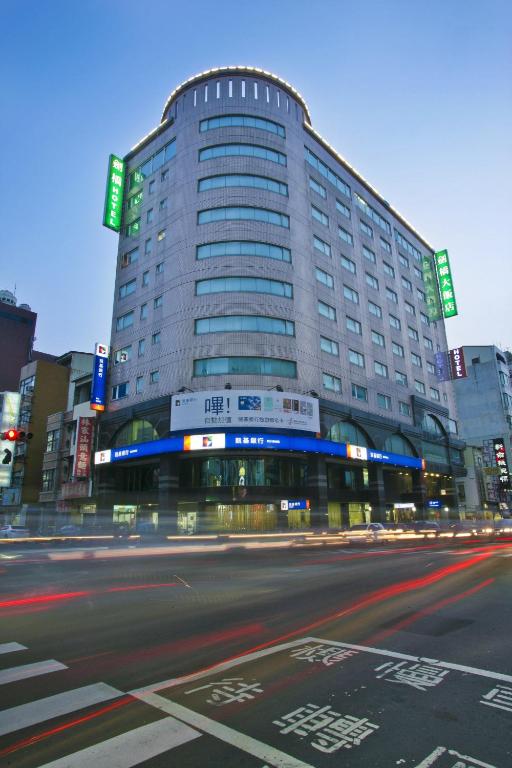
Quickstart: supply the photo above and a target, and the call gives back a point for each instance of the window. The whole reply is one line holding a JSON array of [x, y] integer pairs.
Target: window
[[159, 269], [401, 378], [124, 321], [409, 308], [133, 229], [324, 277], [242, 180], [145, 278], [259, 366], [52, 440], [123, 355], [151, 187], [319, 216], [158, 302], [148, 246], [354, 325], [431, 368], [331, 382], [326, 311], [380, 369], [372, 213], [143, 311], [161, 235], [395, 323], [345, 236], [141, 347], [127, 288], [242, 150], [424, 318], [156, 337], [384, 401], [416, 360], [385, 245], [48, 480], [343, 209], [407, 246], [356, 358], [120, 390], [372, 281], [404, 261], [244, 284], [316, 187], [365, 229], [404, 409], [348, 264], [374, 309], [164, 175], [388, 269], [418, 273], [139, 385], [250, 323], [428, 343], [412, 333], [243, 248], [327, 173], [360, 393], [242, 121], [369, 254], [329, 346], [398, 350], [130, 258], [163, 204], [421, 295], [321, 246], [154, 377], [135, 201], [350, 294], [434, 394], [419, 386], [391, 295], [406, 284], [149, 216], [378, 339], [152, 164], [243, 213]]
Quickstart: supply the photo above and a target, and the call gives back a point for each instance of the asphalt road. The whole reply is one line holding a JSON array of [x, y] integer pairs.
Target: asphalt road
[[370, 658]]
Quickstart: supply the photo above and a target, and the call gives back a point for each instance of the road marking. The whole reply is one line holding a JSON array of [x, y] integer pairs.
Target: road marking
[[16, 718], [30, 670], [130, 748], [439, 751], [430, 760], [182, 581], [236, 739], [11, 647]]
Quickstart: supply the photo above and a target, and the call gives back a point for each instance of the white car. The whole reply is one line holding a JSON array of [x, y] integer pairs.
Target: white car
[[13, 532], [367, 533]]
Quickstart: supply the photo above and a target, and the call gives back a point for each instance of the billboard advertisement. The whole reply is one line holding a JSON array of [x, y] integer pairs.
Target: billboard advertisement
[[244, 409], [99, 378]]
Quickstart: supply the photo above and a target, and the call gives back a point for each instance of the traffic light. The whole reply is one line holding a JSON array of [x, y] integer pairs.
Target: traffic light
[[15, 434], [8, 456]]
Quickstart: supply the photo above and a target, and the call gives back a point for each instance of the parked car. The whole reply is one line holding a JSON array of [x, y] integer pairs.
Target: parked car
[[70, 530], [368, 533], [13, 532]]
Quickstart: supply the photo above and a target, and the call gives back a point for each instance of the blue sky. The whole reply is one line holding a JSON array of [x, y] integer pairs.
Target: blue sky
[[415, 95]]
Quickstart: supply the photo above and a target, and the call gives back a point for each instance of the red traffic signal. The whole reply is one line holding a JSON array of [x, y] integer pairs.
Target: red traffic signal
[[15, 434]]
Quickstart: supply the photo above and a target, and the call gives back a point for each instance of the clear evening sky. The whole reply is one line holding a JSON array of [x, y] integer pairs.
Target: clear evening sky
[[415, 95]]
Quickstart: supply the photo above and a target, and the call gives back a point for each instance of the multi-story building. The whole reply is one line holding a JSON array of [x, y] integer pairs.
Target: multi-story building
[[253, 258], [484, 404], [17, 332]]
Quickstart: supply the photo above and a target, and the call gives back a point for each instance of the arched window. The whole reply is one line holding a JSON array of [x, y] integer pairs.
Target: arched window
[[432, 425], [398, 444], [346, 432], [136, 431]]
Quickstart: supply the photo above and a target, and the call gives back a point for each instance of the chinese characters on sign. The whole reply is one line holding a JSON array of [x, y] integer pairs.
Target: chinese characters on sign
[[114, 194], [228, 691], [419, 676], [328, 730], [450, 365], [501, 462], [444, 278], [83, 447], [431, 290], [99, 377]]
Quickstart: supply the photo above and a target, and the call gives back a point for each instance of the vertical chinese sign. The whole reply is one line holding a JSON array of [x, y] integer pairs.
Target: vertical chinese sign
[[84, 440], [99, 378], [444, 278], [431, 290], [112, 213], [501, 462]]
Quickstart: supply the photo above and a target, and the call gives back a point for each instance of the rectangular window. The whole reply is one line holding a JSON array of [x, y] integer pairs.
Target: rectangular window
[[124, 321], [350, 294], [398, 350], [133, 229], [412, 333], [372, 213], [322, 246], [143, 311], [156, 337], [391, 295], [407, 246], [365, 229], [418, 273], [416, 360], [161, 235], [164, 175], [154, 377], [434, 394], [48, 480], [371, 281], [130, 258], [431, 368], [384, 401], [424, 318], [163, 204], [406, 284], [354, 325], [401, 378], [141, 347], [329, 346], [159, 268], [380, 369], [120, 390], [151, 186], [316, 187], [158, 302], [52, 440], [123, 355], [326, 311], [369, 254], [385, 245], [348, 264], [127, 288], [324, 277], [419, 386], [149, 216], [360, 393], [404, 261], [409, 308], [404, 408], [319, 216], [327, 173], [421, 295], [374, 309], [388, 269], [331, 382], [356, 358], [343, 209], [378, 339], [345, 236], [395, 323], [428, 343], [145, 278], [148, 246]]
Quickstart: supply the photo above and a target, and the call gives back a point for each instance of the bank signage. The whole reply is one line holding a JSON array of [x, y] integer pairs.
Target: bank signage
[[501, 462], [289, 504], [99, 378], [243, 409], [444, 279], [112, 213]]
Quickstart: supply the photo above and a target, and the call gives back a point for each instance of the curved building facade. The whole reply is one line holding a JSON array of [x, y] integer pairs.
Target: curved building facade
[[254, 258]]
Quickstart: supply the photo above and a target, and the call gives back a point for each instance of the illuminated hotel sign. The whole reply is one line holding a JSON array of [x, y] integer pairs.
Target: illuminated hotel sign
[[431, 290], [451, 365], [501, 462], [99, 378], [113, 210], [444, 279]]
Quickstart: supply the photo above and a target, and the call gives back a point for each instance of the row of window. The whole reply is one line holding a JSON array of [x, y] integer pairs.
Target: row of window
[[242, 150], [126, 289], [242, 121], [242, 180], [124, 354], [243, 213], [123, 388], [372, 213], [152, 164], [126, 321], [255, 89], [333, 384], [243, 248]]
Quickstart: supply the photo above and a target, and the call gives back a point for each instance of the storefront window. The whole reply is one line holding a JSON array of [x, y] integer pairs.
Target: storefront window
[[346, 432], [218, 471], [136, 431]]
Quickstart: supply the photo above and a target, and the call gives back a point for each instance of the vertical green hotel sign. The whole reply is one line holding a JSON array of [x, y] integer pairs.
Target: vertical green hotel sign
[[114, 193], [431, 290], [444, 278]]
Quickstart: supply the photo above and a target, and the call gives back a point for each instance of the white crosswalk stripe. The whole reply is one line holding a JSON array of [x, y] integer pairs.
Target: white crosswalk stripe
[[25, 715], [11, 647], [12, 674], [130, 748]]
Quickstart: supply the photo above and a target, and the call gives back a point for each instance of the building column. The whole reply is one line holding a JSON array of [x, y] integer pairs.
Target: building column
[[168, 488], [377, 493], [317, 482]]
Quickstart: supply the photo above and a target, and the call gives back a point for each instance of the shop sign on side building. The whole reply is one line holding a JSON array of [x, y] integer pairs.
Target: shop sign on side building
[[99, 378]]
